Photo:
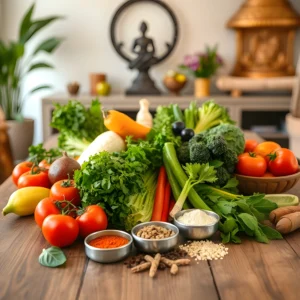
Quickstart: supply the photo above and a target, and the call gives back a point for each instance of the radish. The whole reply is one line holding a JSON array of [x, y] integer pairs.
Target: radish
[[107, 141]]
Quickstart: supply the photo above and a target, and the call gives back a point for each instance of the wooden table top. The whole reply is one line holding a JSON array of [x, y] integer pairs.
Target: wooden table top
[[251, 270]]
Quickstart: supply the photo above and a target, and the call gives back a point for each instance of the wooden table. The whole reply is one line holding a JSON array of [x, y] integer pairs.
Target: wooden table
[[250, 270]]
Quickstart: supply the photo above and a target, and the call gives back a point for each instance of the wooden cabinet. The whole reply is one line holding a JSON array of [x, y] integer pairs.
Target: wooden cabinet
[[250, 112]]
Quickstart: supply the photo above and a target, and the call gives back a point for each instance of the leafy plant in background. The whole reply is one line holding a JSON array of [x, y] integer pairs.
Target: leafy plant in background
[[203, 65], [14, 66]]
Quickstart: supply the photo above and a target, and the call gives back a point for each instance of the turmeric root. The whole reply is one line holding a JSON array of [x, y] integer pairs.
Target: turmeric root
[[178, 262], [277, 213], [174, 269], [141, 267], [289, 222], [148, 258], [154, 265]]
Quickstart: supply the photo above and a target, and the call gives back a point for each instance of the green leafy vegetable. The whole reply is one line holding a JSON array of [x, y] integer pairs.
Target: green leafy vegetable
[[38, 153], [172, 165], [52, 257], [210, 115], [78, 125], [233, 136]]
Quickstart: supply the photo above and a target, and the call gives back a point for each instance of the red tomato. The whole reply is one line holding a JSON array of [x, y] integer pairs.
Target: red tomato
[[20, 169], [283, 162], [65, 190], [60, 230], [265, 148], [250, 145], [34, 178], [251, 164], [93, 219], [45, 165], [45, 208]]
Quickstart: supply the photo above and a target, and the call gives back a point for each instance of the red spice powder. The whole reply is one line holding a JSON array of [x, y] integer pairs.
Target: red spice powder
[[109, 241]]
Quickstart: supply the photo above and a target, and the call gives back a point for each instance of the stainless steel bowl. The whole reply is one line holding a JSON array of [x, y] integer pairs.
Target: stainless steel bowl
[[107, 255], [153, 245], [194, 232]]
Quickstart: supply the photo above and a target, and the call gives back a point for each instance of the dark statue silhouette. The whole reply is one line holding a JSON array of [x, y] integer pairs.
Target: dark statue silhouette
[[144, 49]]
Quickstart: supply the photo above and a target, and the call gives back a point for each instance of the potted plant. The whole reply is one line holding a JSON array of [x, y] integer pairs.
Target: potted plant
[[202, 66], [15, 65]]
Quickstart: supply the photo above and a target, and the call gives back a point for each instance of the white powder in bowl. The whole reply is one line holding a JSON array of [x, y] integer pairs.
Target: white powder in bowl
[[196, 217]]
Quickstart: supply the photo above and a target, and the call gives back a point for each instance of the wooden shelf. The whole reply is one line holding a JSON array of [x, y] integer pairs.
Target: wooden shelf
[[273, 135]]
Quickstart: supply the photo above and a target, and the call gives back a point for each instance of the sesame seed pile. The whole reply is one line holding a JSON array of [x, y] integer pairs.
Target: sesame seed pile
[[205, 250]]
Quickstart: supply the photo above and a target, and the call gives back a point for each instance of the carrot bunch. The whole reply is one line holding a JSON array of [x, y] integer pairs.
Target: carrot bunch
[[162, 201]]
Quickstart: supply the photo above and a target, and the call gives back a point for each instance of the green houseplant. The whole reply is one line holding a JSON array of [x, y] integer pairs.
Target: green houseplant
[[15, 65], [203, 66]]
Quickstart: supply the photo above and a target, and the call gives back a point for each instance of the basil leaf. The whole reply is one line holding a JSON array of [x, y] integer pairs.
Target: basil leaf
[[52, 257], [231, 183], [271, 233], [235, 239], [243, 205], [249, 221], [261, 204], [224, 207], [216, 163], [225, 237], [229, 225], [260, 236]]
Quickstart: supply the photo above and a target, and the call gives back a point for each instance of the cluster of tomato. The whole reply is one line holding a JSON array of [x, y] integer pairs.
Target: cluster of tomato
[[267, 159], [60, 216]]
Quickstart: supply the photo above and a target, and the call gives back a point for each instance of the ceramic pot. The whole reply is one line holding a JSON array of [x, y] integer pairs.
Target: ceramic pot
[[201, 87], [21, 137]]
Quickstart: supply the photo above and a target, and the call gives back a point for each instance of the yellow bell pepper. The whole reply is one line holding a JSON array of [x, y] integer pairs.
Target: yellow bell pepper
[[24, 201]]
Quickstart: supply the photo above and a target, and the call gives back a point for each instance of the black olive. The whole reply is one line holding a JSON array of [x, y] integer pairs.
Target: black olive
[[177, 127], [187, 134]]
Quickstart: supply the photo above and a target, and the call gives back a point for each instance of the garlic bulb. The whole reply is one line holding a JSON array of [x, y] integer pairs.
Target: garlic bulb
[[143, 116]]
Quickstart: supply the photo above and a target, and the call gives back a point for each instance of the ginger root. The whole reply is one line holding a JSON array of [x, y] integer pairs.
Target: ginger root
[[277, 213], [141, 267], [154, 265], [289, 222], [174, 269]]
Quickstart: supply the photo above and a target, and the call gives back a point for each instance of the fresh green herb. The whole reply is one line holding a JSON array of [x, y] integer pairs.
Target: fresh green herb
[[38, 153], [238, 213], [122, 183], [210, 115], [197, 173], [52, 257], [163, 120], [78, 125]]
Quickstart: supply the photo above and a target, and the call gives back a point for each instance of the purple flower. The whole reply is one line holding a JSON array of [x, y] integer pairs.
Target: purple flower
[[192, 62]]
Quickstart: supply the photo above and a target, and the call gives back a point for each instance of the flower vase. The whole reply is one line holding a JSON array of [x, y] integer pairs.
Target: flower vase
[[201, 87]]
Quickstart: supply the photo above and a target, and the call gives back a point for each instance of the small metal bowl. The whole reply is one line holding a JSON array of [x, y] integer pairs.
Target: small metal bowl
[[107, 255], [196, 232], [153, 245]]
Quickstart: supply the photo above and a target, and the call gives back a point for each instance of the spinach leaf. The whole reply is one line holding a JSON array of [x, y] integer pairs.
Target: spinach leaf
[[52, 257], [271, 233]]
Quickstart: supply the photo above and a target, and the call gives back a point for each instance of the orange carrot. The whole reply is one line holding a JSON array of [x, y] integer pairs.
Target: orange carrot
[[165, 212], [124, 125], [159, 195]]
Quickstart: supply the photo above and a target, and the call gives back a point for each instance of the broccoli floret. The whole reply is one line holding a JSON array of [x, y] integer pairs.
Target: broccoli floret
[[216, 144], [233, 135], [198, 138], [183, 153], [230, 159], [199, 153], [222, 175]]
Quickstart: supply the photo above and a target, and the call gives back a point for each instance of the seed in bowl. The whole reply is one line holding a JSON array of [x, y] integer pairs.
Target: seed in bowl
[[108, 242], [155, 232], [196, 217]]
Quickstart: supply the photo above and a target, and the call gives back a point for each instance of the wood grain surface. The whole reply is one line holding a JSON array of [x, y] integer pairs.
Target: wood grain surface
[[250, 270]]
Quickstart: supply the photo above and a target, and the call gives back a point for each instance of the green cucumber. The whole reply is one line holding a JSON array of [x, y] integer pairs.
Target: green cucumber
[[283, 199]]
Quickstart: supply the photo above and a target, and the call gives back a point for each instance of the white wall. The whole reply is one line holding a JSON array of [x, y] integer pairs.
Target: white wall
[[87, 47]]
